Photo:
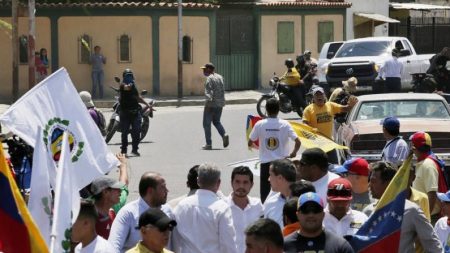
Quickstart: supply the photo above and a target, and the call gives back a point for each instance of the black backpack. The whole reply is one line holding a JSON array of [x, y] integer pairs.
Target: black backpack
[[100, 121]]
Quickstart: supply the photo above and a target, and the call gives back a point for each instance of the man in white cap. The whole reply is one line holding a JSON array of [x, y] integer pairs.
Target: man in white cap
[[96, 114]]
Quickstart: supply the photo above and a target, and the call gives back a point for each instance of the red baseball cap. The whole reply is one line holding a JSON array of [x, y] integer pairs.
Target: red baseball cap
[[339, 189], [420, 139], [357, 166]]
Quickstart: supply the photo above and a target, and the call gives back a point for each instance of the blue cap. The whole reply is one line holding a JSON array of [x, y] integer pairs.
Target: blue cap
[[309, 197], [444, 197], [391, 123]]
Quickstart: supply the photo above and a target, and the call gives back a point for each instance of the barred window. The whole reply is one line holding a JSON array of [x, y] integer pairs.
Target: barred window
[[84, 49], [23, 49], [285, 32], [187, 49], [124, 45]]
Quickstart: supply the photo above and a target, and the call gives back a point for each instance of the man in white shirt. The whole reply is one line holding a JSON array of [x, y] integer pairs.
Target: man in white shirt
[[391, 71], [83, 231], [204, 221], [339, 217], [153, 193], [273, 135], [245, 209], [314, 168], [282, 175], [396, 150]]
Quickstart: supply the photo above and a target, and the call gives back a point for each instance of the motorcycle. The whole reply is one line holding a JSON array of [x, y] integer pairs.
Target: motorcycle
[[426, 83], [114, 121], [280, 92]]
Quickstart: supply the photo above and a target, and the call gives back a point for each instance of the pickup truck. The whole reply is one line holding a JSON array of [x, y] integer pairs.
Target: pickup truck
[[362, 58]]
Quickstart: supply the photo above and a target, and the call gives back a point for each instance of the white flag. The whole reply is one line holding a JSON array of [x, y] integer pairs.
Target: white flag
[[55, 106], [40, 202], [67, 200]]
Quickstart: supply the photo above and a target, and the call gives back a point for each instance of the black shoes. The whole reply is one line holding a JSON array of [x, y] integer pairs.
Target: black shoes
[[135, 153], [226, 140]]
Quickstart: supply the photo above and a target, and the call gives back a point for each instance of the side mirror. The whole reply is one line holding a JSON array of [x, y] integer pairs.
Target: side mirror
[[144, 92], [117, 79]]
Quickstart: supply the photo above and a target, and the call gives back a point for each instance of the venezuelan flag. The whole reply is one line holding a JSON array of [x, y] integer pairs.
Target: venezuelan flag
[[18, 232], [251, 121], [381, 233]]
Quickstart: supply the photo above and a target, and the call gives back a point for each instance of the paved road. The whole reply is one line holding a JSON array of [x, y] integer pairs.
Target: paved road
[[174, 145]]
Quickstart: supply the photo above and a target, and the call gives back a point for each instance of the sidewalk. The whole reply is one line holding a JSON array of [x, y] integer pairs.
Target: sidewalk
[[231, 97]]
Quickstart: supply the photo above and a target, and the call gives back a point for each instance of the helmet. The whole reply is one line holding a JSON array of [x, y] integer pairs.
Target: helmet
[[127, 72], [289, 63]]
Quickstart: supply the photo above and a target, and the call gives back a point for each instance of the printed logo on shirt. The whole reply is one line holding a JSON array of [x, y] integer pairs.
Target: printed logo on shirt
[[272, 143], [323, 117], [355, 224]]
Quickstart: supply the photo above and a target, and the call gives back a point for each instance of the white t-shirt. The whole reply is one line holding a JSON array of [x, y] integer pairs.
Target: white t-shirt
[[442, 230], [347, 225], [242, 218], [321, 185], [273, 135], [98, 245]]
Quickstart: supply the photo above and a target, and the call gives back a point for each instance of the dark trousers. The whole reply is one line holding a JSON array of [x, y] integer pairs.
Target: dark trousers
[[264, 185], [98, 78], [128, 119], [297, 95], [212, 114], [393, 85]]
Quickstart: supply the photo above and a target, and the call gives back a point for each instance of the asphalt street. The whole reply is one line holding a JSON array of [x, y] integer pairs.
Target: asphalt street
[[174, 143]]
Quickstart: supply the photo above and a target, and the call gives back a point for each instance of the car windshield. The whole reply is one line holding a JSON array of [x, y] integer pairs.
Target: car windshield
[[402, 109], [366, 48]]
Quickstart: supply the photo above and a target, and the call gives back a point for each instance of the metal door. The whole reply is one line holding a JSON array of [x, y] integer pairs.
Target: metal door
[[235, 50]]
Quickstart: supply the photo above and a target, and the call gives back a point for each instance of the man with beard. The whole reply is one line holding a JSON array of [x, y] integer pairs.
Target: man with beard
[[339, 217], [245, 209], [153, 194], [312, 237]]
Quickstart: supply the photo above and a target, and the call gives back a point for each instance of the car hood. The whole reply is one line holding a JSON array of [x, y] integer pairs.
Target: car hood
[[406, 125], [376, 59]]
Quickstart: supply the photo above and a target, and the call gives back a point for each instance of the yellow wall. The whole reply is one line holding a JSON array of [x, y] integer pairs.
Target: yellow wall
[[198, 29], [42, 41], [104, 32], [312, 28], [271, 61]]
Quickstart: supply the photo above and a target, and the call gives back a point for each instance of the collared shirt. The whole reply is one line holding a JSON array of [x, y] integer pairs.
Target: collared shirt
[[391, 68], [321, 185], [273, 208], [98, 245], [242, 218], [124, 235], [214, 91], [395, 151], [322, 117], [427, 179], [204, 225], [140, 248], [347, 225]]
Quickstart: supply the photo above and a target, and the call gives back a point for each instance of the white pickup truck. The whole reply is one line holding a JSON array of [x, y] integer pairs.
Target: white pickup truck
[[362, 58]]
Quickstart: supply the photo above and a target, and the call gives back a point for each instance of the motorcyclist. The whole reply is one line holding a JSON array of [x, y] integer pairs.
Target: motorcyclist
[[439, 70], [307, 67], [296, 86], [130, 112]]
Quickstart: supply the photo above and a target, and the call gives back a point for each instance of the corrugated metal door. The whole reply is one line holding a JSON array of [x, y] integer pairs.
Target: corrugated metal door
[[235, 51]]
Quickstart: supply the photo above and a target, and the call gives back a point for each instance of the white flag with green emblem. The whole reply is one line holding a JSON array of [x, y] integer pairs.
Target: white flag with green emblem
[[55, 106]]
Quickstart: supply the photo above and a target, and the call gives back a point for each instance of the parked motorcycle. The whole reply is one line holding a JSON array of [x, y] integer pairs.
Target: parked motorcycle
[[280, 92], [114, 122]]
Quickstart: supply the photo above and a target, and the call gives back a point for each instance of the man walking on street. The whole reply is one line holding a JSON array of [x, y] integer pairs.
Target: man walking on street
[[215, 101], [273, 135]]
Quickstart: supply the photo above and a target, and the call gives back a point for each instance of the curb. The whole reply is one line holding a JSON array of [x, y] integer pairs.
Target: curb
[[179, 102]]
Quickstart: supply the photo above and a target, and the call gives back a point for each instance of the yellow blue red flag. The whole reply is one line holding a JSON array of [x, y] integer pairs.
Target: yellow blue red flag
[[381, 232], [18, 232]]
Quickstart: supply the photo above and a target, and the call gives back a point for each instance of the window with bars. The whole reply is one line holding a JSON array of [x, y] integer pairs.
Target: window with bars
[[124, 46], [84, 49], [23, 49], [285, 37], [187, 49]]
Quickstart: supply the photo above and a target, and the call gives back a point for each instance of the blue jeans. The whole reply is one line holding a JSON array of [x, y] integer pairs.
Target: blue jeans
[[128, 119], [97, 80], [212, 114]]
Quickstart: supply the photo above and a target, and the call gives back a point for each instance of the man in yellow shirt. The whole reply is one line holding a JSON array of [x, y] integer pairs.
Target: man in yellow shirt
[[155, 227], [320, 115], [295, 85]]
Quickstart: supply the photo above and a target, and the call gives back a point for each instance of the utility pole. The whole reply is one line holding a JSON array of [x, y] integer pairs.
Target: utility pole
[[31, 47], [180, 50], [15, 50]]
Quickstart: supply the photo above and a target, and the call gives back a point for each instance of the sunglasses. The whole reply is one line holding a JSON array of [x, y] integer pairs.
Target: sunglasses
[[307, 209], [340, 193], [162, 230]]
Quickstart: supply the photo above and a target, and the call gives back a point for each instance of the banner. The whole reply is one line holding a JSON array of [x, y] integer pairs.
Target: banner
[[18, 232], [55, 106], [67, 201]]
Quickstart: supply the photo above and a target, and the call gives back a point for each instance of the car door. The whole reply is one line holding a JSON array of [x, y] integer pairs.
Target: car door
[[410, 63]]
